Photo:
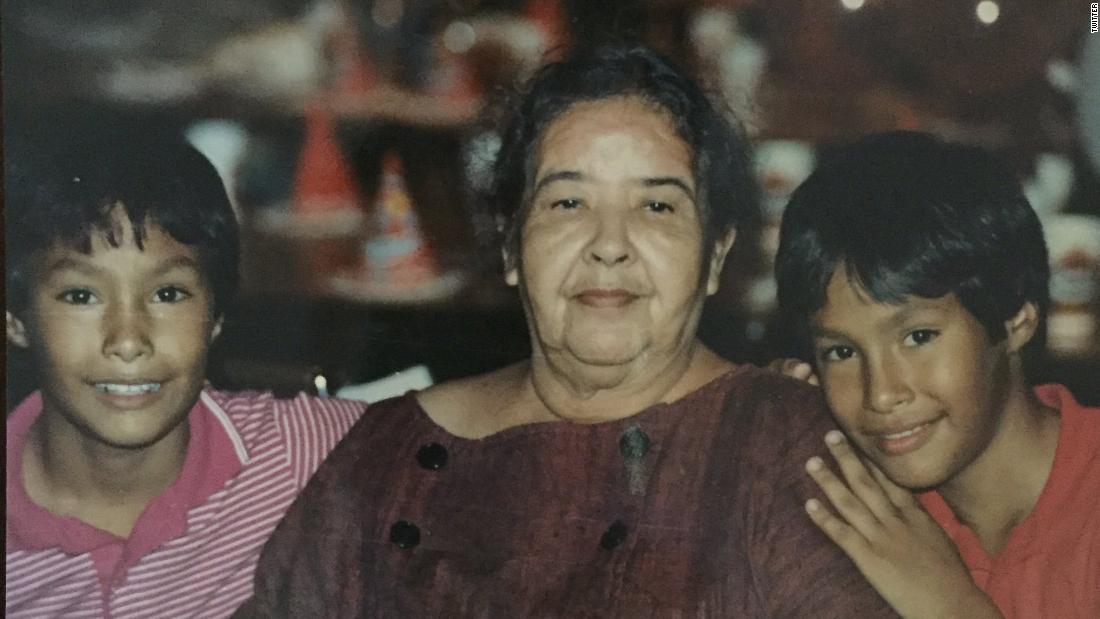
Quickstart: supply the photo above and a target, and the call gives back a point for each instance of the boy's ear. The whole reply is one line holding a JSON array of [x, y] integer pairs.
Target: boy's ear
[[17, 332], [511, 273], [717, 259], [1022, 326]]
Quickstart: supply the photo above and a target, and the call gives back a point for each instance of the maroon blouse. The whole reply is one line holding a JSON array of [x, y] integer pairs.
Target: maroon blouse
[[689, 509]]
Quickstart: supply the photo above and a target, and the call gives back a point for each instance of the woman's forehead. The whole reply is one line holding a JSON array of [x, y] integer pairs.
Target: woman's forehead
[[618, 128], [621, 110]]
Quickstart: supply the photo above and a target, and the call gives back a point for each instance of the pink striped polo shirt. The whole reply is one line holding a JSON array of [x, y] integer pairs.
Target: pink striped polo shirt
[[193, 551]]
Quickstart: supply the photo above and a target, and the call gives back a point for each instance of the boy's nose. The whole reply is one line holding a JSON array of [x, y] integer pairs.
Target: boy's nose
[[886, 387], [127, 335], [610, 245]]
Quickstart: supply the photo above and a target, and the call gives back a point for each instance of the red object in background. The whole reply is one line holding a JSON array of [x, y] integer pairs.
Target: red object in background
[[549, 17], [353, 71], [397, 254], [323, 181], [357, 74]]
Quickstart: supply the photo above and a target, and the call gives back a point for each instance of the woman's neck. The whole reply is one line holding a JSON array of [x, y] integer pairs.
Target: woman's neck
[[1002, 486], [581, 393]]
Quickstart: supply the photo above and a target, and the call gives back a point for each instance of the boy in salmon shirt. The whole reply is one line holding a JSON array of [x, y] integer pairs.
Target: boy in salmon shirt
[[917, 275]]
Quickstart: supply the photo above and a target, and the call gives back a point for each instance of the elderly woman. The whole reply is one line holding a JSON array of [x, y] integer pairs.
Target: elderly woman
[[624, 470]]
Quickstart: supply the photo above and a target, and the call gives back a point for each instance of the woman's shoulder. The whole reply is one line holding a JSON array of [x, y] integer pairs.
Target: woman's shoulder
[[476, 406], [760, 387], [778, 416]]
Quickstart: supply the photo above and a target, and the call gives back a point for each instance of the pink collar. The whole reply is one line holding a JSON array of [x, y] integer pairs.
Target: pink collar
[[213, 457]]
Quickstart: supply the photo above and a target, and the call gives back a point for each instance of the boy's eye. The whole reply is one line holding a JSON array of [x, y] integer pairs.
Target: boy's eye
[[171, 294], [77, 296], [920, 337], [656, 206], [836, 353], [567, 203]]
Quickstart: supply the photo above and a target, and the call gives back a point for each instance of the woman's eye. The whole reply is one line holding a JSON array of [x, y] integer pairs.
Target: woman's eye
[[568, 203], [659, 207], [920, 337], [77, 296], [171, 294], [836, 353]]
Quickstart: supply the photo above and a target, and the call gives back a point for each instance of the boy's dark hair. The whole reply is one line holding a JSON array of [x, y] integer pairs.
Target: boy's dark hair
[[908, 214], [727, 193], [66, 195]]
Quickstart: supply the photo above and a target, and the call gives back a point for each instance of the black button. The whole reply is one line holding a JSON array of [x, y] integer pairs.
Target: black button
[[634, 443], [404, 534], [614, 535], [432, 456]]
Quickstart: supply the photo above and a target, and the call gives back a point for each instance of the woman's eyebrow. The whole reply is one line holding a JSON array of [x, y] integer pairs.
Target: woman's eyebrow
[[559, 175], [675, 181]]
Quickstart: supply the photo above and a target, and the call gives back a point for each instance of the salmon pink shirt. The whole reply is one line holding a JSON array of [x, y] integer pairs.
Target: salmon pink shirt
[[1050, 566]]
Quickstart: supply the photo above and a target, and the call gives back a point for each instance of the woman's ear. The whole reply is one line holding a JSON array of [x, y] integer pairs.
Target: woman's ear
[[17, 332], [1022, 326], [717, 259]]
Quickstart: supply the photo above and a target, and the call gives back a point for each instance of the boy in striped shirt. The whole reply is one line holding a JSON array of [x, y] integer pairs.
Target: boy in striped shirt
[[133, 489]]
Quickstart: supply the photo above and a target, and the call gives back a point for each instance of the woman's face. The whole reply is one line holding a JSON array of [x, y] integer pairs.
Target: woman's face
[[612, 243]]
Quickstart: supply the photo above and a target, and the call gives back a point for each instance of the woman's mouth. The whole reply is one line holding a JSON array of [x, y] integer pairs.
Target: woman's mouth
[[604, 297]]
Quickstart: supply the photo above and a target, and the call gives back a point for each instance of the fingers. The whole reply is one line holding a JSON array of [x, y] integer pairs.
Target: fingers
[[794, 368], [860, 480], [841, 533], [901, 497], [848, 506]]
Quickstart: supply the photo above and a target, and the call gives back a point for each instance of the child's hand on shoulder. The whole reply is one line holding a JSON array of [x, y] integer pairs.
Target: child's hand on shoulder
[[795, 368], [898, 547]]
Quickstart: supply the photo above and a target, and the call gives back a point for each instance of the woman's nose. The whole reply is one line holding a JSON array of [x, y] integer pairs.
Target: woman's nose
[[126, 334], [610, 245]]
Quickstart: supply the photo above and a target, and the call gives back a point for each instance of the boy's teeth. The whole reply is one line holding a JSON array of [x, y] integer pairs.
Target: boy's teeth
[[906, 433], [119, 389]]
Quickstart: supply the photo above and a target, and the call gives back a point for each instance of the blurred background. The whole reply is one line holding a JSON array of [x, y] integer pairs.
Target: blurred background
[[353, 133]]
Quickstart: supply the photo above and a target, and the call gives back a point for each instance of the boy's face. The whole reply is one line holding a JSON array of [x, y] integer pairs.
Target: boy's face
[[917, 385], [120, 335]]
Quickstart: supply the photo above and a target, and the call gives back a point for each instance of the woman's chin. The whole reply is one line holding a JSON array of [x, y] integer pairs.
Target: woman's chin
[[618, 352], [604, 359]]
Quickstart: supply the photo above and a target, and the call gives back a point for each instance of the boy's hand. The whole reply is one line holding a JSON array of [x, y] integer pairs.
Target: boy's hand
[[795, 368], [898, 547]]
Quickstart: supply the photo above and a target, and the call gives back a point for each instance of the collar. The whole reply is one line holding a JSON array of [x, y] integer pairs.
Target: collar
[[215, 454]]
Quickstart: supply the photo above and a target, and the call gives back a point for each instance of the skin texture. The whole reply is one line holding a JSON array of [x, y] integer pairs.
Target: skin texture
[[930, 402], [610, 277], [116, 315], [927, 366], [895, 544], [612, 246]]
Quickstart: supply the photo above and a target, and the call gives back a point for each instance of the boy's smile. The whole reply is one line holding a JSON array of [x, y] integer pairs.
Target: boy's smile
[[917, 385], [120, 335]]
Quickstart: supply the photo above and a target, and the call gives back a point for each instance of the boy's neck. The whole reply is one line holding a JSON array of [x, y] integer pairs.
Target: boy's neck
[[69, 474], [1021, 451]]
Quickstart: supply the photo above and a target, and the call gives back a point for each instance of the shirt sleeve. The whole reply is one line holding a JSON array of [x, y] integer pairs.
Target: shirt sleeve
[[310, 566], [311, 427], [797, 570]]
